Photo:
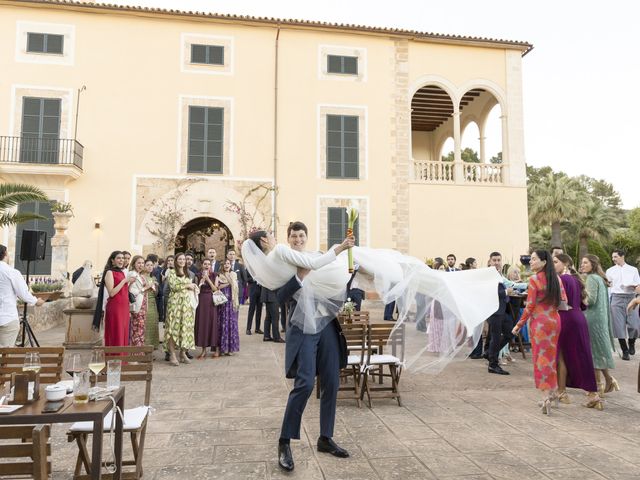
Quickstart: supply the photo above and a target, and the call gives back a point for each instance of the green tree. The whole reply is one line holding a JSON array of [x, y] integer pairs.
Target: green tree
[[601, 190], [12, 195], [467, 155], [633, 218], [553, 200], [593, 222], [535, 174], [496, 158], [628, 241]]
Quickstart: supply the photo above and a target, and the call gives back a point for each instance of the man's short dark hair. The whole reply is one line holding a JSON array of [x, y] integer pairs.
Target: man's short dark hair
[[153, 257], [452, 255], [189, 254], [619, 251], [3, 252], [495, 254], [124, 252], [296, 227]]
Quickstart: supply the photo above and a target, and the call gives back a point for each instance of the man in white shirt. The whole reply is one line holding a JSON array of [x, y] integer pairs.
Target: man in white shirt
[[12, 286], [624, 279], [215, 265]]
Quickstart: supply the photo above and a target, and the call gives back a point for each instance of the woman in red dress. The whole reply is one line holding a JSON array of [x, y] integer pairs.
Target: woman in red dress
[[116, 312]]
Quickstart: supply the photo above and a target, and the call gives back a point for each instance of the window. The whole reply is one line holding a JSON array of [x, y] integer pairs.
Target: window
[[45, 43], [39, 267], [40, 130], [342, 146], [342, 64], [206, 126], [337, 226], [207, 54]]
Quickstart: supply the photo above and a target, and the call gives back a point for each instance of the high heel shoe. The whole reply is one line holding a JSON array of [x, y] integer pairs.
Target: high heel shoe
[[563, 398], [546, 406], [595, 402], [601, 388], [612, 386]]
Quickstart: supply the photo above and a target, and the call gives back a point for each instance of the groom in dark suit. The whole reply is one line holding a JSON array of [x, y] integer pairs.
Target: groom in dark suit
[[308, 355]]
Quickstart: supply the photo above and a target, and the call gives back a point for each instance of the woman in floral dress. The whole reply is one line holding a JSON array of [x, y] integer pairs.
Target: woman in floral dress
[[151, 327], [180, 318], [544, 297], [139, 308], [227, 283]]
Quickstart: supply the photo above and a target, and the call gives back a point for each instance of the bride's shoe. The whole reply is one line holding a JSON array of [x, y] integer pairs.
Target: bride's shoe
[[612, 386]]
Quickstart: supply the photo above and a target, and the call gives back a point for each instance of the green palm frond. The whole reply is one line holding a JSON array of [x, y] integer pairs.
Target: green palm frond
[[15, 218], [12, 194]]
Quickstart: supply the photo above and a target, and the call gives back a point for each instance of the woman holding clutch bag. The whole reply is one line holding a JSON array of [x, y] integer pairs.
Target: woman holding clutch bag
[[227, 282], [207, 329]]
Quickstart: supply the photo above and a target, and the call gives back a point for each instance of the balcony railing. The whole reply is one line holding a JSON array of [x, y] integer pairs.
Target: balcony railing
[[39, 150], [458, 173]]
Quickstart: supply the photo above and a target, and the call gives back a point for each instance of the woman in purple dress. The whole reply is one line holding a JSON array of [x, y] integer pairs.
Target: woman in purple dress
[[206, 329], [575, 363], [227, 282]]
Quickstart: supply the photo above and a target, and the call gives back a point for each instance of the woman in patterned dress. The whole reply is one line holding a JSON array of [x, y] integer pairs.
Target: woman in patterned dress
[[139, 289], [544, 296], [151, 325], [180, 318], [227, 283], [598, 317]]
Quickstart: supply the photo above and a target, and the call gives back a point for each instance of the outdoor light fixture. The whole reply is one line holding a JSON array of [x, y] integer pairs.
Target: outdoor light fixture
[[96, 225]]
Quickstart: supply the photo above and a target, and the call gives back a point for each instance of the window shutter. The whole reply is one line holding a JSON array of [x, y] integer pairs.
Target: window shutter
[[342, 64], [342, 146], [198, 54], [206, 139], [35, 42], [54, 43], [337, 221]]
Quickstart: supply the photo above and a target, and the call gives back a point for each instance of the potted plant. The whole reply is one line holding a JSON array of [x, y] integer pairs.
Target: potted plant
[[62, 213], [47, 288]]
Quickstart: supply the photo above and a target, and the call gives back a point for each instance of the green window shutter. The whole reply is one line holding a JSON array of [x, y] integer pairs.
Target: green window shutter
[[345, 65], [35, 42], [198, 54], [54, 43], [342, 146], [45, 43], [207, 54], [206, 139], [216, 55], [40, 267], [40, 130], [337, 221]]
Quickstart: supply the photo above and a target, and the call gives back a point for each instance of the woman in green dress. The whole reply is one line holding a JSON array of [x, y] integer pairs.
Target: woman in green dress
[[151, 326], [180, 316], [599, 321]]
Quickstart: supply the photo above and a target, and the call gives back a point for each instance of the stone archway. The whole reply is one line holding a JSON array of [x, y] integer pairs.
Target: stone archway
[[202, 233]]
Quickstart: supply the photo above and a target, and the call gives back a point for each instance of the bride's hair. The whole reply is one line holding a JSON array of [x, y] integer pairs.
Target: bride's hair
[[256, 236], [296, 227]]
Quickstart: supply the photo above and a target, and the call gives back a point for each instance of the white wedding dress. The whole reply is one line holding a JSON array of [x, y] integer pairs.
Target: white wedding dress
[[465, 299]]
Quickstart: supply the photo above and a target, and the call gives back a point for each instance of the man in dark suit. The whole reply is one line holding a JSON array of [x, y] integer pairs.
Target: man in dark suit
[[215, 265], [241, 272], [255, 304], [308, 355], [451, 263], [270, 301], [500, 324]]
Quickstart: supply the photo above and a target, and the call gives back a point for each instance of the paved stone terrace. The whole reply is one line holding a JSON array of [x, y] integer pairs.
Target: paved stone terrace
[[220, 419]]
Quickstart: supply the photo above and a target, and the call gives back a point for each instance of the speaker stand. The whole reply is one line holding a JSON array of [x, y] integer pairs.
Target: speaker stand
[[24, 323]]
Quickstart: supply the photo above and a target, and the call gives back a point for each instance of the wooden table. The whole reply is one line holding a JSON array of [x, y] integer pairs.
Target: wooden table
[[94, 411]]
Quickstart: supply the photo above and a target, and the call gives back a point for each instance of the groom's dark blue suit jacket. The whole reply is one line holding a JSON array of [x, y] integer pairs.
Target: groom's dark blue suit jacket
[[294, 335]]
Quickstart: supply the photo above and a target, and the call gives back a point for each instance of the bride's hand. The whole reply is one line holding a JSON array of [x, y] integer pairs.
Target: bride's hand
[[347, 243], [302, 272]]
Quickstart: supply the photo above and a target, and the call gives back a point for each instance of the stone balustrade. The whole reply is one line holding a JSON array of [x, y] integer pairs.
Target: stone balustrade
[[438, 172]]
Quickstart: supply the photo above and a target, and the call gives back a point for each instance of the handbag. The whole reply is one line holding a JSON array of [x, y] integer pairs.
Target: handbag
[[219, 298]]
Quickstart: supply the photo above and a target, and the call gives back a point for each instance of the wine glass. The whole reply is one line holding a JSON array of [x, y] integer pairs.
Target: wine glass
[[97, 363], [32, 362], [73, 364]]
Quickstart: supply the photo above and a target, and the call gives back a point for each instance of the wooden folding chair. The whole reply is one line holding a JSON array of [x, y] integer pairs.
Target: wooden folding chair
[[137, 366], [354, 317], [379, 337], [29, 445], [356, 337], [51, 359]]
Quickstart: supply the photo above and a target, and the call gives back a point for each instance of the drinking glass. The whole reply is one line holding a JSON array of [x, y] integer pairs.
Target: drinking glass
[[96, 365], [73, 363], [81, 386], [113, 373], [32, 362]]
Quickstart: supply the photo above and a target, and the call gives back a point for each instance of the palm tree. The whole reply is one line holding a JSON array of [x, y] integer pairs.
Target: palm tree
[[594, 223], [553, 200], [13, 194]]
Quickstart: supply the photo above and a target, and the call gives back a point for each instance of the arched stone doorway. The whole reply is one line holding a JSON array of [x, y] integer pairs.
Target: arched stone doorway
[[202, 233]]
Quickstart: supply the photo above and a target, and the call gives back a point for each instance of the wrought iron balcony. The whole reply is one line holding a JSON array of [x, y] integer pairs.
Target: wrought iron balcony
[[28, 150]]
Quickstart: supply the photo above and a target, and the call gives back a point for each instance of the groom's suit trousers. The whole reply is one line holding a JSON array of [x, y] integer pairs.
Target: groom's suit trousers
[[317, 354]]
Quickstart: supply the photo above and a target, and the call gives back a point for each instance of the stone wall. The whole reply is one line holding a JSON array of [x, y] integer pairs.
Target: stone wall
[[48, 315]]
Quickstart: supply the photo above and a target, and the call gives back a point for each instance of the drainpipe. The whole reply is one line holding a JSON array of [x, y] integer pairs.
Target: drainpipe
[[274, 195]]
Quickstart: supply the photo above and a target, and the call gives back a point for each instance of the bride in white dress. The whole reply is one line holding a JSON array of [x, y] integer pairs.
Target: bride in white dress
[[467, 297]]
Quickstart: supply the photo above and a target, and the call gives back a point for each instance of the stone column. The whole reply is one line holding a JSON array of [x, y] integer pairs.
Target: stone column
[[60, 245], [457, 151], [506, 178]]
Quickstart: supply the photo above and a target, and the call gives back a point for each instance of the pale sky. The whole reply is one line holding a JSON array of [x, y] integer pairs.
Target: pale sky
[[579, 81]]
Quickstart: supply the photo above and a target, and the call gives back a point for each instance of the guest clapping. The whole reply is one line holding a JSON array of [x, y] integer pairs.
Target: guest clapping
[[207, 325]]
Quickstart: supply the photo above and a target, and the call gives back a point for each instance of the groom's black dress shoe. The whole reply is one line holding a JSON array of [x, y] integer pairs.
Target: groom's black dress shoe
[[327, 445], [285, 459]]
